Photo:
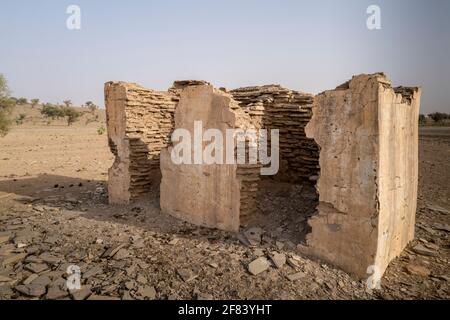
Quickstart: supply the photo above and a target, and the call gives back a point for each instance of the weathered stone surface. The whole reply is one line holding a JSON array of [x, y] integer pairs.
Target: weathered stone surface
[[12, 259], [295, 276], [186, 274], [278, 259], [92, 272], [418, 270], [259, 265], [31, 278], [147, 292], [139, 123], [42, 280], [31, 290], [5, 237], [55, 292], [5, 278], [275, 107], [368, 138], [421, 249], [81, 294], [36, 267], [5, 291], [207, 194]]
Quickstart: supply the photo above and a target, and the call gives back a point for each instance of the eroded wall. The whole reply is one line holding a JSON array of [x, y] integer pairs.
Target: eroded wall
[[207, 194], [365, 132], [367, 187], [398, 179], [139, 124], [275, 107]]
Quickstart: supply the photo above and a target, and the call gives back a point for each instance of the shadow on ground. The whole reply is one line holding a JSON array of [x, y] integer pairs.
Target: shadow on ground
[[282, 214]]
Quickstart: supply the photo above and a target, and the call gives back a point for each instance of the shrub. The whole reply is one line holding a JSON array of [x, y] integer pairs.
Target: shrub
[[22, 101], [71, 114], [101, 130], [92, 107], [67, 103], [6, 104], [439, 116], [34, 102], [20, 118], [421, 118], [51, 111]]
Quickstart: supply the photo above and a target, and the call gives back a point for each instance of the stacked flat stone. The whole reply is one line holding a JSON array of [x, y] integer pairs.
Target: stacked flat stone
[[148, 120], [275, 107], [248, 174], [179, 85], [149, 116]]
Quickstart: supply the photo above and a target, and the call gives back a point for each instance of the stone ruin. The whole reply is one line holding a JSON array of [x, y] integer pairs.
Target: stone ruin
[[357, 145]]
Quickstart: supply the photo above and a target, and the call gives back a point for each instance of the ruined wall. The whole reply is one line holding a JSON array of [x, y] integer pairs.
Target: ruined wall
[[212, 195], [365, 131], [139, 123], [398, 169], [275, 107], [367, 188]]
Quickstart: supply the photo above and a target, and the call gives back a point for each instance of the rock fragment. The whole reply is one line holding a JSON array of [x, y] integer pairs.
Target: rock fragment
[[81, 294], [147, 292], [259, 265], [186, 274], [421, 249], [31, 290], [296, 276], [417, 270], [278, 259]]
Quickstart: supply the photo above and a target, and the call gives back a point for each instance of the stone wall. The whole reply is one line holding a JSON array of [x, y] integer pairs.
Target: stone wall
[[275, 107], [212, 195], [368, 137], [363, 136], [139, 124]]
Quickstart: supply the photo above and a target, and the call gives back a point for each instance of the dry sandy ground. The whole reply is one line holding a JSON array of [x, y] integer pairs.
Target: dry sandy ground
[[54, 213]]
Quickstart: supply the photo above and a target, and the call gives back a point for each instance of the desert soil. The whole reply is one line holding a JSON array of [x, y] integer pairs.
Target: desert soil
[[54, 213]]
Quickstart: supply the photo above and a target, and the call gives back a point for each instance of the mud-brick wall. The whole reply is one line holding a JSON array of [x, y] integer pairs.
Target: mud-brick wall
[[274, 107], [139, 123]]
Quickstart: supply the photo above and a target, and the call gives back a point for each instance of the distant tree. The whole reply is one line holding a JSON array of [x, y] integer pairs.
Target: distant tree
[[51, 111], [438, 116], [4, 90], [91, 106], [422, 118], [20, 118], [71, 114], [13, 100], [34, 102], [22, 101], [67, 103], [6, 104]]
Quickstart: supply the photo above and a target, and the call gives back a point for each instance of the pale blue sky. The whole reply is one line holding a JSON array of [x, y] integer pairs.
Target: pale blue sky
[[304, 45]]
